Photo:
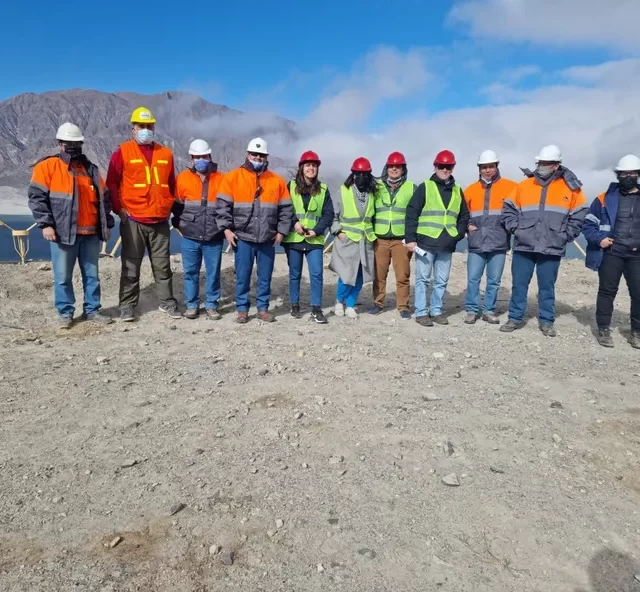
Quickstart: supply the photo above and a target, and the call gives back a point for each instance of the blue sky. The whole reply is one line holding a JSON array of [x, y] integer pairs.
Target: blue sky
[[286, 57]]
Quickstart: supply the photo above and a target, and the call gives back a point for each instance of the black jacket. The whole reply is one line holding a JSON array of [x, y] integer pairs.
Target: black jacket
[[445, 242]]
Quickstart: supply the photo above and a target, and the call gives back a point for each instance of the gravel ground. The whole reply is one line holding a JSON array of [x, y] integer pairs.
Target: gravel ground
[[368, 455]]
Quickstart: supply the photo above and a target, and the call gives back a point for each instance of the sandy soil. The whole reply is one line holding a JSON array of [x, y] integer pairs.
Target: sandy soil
[[139, 458]]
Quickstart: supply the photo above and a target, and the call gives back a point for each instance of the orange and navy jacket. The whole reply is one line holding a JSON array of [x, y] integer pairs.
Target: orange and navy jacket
[[545, 215], [485, 201], [194, 211], [70, 198], [255, 206]]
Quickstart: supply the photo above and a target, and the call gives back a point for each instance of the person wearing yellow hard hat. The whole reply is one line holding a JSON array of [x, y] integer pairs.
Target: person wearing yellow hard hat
[[141, 180]]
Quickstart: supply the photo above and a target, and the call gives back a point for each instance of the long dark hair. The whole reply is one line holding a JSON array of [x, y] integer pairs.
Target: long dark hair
[[372, 183], [303, 186]]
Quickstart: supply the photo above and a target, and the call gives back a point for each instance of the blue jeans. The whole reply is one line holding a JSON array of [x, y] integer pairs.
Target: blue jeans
[[193, 252], [86, 251], [349, 294], [315, 263], [264, 254], [440, 263], [476, 263], [546, 268]]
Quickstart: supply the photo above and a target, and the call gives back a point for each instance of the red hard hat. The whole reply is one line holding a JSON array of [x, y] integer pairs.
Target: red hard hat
[[445, 157], [361, 165], [309, 156], [396, 158]]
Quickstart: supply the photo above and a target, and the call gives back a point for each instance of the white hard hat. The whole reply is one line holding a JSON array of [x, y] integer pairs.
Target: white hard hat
[[488, 157], [258, 145], [68, 132], [630, 162], [550, 153], [199, 147]]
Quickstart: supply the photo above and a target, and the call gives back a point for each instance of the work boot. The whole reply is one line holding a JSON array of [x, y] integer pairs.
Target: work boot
[[471, 318], [350, 312], [98, 317], [64, 322], [127, 315], [635, 339], [491, 319], [266, 316], [440, 319], [548, 330], [318, 316], [213, 314], [191, 313], [375, 310], [604, 337], [242, 317], [295, 311], [425, 321], [171, 309], [511, 326], [339, 309]]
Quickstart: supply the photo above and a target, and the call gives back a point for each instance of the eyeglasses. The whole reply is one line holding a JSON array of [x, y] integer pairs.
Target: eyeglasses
[[257, 155], [624, 174], [445, 167]]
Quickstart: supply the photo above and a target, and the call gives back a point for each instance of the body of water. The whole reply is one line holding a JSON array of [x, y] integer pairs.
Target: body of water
[[39, 249]]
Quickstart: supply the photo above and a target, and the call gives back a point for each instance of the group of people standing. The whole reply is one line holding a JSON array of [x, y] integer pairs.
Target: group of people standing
[[375, 223]]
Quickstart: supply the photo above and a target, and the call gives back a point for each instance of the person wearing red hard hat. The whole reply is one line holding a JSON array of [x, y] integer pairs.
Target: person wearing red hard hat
[[392, 196], [312, 216], [437, 218], [352, 255]]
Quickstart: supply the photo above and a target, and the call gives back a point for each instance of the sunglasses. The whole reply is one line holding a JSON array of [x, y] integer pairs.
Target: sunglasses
[[257, 154], [445, 167]]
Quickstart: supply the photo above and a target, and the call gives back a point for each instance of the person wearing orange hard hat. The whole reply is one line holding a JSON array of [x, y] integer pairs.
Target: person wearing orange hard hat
[[352, 255], [392, 197], [312, 216], [142, 183], [437, 218]]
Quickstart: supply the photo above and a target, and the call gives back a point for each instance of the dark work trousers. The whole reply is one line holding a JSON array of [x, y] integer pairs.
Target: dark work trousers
[[136, 238], [611, 270]]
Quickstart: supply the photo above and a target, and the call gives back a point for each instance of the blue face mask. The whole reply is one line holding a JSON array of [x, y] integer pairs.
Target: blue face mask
[[144, 136], [257, 166], [201, 165]]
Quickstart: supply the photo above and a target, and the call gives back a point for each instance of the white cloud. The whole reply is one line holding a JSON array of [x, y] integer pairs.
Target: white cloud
[[559, 23], [591, 115]]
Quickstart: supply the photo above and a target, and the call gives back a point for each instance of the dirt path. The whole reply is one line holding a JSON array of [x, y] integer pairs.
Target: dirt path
[[315, 454]]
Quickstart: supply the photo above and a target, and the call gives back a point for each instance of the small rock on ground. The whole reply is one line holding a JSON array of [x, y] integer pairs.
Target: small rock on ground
[[451, 480]]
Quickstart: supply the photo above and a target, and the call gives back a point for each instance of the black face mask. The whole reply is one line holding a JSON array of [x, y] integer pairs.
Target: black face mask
[[628, 183], [361, 180], [73, 150]]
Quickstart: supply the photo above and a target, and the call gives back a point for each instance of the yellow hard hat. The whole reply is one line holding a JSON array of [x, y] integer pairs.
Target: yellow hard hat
[[142, 115]]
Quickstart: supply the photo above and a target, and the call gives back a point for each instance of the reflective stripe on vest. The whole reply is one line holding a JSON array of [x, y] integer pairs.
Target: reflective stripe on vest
[[308, 219], [434, 217], [353, 224], [391, 212]]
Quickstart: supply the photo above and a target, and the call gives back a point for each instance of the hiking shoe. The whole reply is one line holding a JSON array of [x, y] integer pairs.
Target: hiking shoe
[[425, 321], [375, 310], [511, 326], [635, 339], [350, 312], [126, 314], [191, 313], [471, 318], [171, 309], [213, 314], [98, 317], [64, 322], [405, 315], [604, 337], [242, 317], [339, 309], [548, 330], [318, 316], [491, 319], [295, 311], [440, 319], [266, 316]]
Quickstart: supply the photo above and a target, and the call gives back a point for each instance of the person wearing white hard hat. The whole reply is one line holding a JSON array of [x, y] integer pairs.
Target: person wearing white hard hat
[[141, 180], [71, 205], [488, 241], [612, 230], [255, 212], [194, 215], [545, 212]]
